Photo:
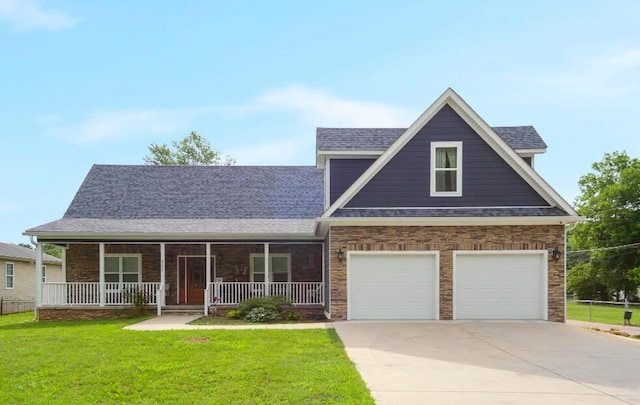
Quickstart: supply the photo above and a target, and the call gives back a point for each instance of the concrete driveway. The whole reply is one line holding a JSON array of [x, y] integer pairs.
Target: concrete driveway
[[461, 362]]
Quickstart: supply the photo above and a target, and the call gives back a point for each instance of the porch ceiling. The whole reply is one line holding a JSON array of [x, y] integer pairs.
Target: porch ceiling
[[177, 229]]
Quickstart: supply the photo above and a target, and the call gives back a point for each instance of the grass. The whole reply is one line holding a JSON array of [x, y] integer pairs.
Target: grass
[[99, 362], [600, 313]]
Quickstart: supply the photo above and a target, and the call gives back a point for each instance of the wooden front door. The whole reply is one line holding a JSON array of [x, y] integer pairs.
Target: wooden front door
[[192, 272]]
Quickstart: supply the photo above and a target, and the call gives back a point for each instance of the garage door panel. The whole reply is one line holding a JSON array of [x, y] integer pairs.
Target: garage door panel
[[392, 286], [500, 285]]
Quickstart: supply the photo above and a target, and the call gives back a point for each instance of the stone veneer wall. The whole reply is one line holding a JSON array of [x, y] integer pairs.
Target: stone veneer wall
[[446, 239]]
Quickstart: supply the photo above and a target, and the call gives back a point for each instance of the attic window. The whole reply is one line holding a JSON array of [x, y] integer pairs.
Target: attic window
[[446, 169]]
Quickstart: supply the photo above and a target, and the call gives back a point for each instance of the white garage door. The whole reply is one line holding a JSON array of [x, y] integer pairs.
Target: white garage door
[[392, 285], [500, 285]]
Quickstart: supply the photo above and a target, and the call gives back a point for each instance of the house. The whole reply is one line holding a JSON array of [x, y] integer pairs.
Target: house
[[18, 271], [445, 219]]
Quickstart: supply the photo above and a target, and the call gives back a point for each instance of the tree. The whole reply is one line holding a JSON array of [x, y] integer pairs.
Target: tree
[[193, 150], [55, 251], [610, 202]]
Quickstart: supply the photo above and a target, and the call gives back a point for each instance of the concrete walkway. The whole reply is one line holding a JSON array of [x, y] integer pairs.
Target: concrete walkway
[[181, 322]]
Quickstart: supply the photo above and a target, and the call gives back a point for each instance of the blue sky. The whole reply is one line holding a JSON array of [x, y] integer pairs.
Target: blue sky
[[84, 82]]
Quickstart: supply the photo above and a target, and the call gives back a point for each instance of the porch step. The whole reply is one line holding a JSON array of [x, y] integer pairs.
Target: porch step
[[183, 310]]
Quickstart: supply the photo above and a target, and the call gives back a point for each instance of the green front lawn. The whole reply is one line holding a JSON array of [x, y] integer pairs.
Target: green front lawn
[[601, 313], [99, 362]]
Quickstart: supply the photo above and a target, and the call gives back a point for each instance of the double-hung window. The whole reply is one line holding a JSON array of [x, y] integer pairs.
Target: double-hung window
[[8, 275], [446, 169], [122, 268], [279, 267]]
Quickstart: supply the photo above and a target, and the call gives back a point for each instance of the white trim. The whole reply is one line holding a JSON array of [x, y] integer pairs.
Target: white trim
[[322, 155], [327, 183], [446, 221], [39, 262], [44, 273], [196, 238], [545, 270], [434, 253], [163, 271], [121, 273], [451, 98], [64, 263], [527, 152], [103, 293], [269, 257], [6, 275], [458, 169], [447, 208]]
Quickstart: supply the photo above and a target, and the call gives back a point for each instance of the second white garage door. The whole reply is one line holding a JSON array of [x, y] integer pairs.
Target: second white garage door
[[500, 285], [392, 285]]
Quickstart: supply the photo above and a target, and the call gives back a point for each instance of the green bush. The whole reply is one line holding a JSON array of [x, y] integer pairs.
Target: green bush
[[138, 298], [274, 303], [262, 314], [233, 314], [291, 316]]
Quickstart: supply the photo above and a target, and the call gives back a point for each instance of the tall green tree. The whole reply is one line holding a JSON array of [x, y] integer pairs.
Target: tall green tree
[[610, 202], [192, 150], [55, 251]]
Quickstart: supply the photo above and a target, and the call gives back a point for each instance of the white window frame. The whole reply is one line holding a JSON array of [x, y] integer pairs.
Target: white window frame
[[252, 257], [44, 274], [434, 147], [8, 276], [120, 273]]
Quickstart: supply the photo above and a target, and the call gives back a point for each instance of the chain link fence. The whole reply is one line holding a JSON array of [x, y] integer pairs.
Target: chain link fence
[[12, 306]]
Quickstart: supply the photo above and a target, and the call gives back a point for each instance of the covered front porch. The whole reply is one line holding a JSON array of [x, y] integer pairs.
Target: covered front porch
[[113, 274]]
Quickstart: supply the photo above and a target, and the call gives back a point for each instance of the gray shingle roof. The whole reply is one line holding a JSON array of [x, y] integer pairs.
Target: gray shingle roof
[[196, 192], [11, 251], [191, 227], [379, 139], [451, 212]]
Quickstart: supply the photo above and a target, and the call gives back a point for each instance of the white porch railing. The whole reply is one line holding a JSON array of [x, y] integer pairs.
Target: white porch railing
[[299, 293], [89, 293]]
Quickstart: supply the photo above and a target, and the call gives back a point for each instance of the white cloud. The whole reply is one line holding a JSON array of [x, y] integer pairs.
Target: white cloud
[[103, 125], [23, 15], [606, 75], [5, 208], [288, 151], [313, 108], [321, 108]]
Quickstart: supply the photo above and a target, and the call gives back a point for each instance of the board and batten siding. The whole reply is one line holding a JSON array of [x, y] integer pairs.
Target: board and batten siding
[[343, 173], [487, 180]]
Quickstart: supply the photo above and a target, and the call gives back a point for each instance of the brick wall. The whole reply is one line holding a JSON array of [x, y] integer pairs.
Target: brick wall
[[446, 240], [83, 261]]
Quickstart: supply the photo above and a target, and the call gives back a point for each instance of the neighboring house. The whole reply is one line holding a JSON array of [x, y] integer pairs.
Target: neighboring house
[[446, 219], [18, 271]]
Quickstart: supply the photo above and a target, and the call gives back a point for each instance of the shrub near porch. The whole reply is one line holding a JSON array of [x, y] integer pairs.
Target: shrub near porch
[[99, 362]]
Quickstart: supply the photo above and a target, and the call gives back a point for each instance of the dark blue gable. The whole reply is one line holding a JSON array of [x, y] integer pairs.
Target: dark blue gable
[[487, 180], [343, 173]]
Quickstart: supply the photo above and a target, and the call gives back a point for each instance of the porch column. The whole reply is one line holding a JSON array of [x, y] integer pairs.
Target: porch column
[[266, 269], [207, 287], [162, 272], [101, 269], [38, 274], [208, 250], [64, 264]]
